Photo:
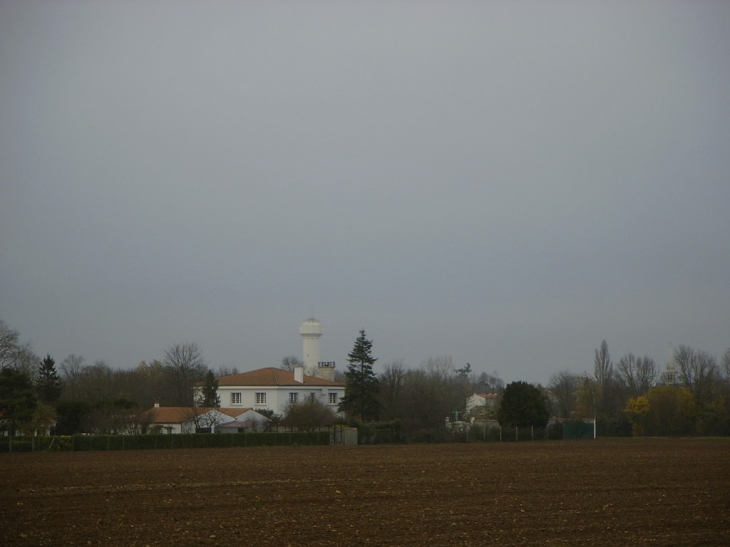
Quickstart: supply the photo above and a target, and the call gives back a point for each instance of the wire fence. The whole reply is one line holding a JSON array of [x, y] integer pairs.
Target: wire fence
[[86, 443], [388, 433], [391, 433]]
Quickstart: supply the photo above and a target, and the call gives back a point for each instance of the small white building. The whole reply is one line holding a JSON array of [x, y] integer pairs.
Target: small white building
[[481, 404], [274, 389], [185, 419], [250, 420]]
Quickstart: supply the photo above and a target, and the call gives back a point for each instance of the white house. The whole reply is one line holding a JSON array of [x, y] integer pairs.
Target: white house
[[185, 419], [481, 403], [273, 389]]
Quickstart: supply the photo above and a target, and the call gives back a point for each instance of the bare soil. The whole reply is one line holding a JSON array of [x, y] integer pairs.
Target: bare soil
[[604, 492]]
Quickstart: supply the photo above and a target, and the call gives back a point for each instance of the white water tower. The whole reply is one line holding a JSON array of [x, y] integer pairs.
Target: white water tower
[[311, 330]]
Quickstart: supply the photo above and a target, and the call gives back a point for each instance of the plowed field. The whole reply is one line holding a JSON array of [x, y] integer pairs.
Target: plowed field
[[604, 492]]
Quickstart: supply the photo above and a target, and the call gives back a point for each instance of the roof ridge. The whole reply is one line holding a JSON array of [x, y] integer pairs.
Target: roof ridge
[[274, 376]]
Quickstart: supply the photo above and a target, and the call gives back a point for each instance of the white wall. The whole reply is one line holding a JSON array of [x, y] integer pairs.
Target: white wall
[[277, 398]]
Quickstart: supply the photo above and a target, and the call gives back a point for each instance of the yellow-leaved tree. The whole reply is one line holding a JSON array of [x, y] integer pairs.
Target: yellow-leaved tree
[[665, 410], [637, 409]]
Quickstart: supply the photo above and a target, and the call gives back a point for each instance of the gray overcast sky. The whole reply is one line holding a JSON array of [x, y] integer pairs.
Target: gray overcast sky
[[506, 183]]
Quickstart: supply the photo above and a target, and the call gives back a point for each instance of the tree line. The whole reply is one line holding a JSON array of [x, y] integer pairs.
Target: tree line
[[85, 397], [691, 396], [631, 396]]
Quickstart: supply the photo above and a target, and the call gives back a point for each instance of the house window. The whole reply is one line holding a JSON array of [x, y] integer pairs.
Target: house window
[[235, 398], [261, 398], [333, 398], [293, 397]]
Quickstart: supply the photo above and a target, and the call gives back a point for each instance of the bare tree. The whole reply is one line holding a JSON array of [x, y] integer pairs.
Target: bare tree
[[97, 383], [587, 397], [26, 361], [726, 364], [440, 368], [697, 370], [646, 373], [564, 387], [186, 364], [290, 362], [226, 371], [8, 345], [155, 383], [488, 383], [71, 369], [205, 419], [16, 355], [602, 366], [391, 387], [637, 375], [609, 400], [430, 394]]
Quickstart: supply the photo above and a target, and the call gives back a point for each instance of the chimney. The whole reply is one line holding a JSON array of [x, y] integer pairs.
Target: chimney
[[326, 370], [299, 374]]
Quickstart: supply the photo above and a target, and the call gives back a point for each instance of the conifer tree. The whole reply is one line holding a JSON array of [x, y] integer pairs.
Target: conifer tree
[[209, 394], [362, 386], [48, 385]]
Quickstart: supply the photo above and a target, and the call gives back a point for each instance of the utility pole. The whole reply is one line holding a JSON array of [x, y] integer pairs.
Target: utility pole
[[587, 379]]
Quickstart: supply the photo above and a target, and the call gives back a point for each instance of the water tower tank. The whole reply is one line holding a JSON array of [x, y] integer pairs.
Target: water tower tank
[[310, 330]]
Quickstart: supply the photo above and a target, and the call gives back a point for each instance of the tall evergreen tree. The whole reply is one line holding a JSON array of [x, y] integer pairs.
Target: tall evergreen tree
[[361, 384], [48, 385], [209, 393]]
